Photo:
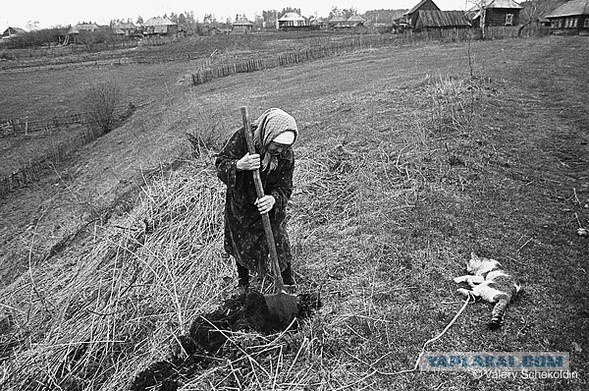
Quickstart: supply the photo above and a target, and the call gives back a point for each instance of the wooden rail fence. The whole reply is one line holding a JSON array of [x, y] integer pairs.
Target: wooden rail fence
[[33, 169], [19, 126], [24, 126]]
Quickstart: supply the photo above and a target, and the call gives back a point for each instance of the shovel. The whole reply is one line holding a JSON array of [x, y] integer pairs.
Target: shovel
[[282, 305]]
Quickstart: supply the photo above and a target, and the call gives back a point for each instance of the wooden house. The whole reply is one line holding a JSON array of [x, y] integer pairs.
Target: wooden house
[[242, 26], [318, 23], [12, 32], [427, 20], [355, 21], [337, 22], [127, 29], [83, 27], [571, 18], [291, 21], [411, 16], [497, 13], [160, 26], [209, 29], [74, 33]]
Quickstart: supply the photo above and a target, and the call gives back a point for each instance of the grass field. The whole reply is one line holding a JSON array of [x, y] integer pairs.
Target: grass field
[[405, 165]]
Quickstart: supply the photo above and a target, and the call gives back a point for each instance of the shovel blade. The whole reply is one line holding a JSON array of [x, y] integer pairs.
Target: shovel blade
[[283, 306]]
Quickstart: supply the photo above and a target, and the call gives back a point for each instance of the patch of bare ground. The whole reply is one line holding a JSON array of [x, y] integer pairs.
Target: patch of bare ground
[[405, 165]]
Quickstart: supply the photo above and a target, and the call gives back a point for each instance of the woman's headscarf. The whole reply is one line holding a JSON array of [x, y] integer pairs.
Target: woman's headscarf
[[270, 124]]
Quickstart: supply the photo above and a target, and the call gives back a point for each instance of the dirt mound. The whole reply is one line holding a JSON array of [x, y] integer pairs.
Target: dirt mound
[[206, 343]]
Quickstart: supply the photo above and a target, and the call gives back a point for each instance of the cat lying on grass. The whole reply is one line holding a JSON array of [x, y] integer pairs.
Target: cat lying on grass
[[491, 283]]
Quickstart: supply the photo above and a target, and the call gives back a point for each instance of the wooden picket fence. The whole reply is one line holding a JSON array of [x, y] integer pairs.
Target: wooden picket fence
[[207, 74], [313, 53]]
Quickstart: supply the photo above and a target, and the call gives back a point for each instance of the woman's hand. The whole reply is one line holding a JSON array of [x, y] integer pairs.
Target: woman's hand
[[265, 204], [249, 162]]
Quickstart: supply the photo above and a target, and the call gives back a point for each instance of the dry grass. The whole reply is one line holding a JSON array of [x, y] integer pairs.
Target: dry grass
[[144, 280]]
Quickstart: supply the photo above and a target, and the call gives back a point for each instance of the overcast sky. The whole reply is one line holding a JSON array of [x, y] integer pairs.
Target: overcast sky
[[16, 13]]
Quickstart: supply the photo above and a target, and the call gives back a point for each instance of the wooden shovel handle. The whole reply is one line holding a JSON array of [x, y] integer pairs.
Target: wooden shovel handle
[[260, 192]]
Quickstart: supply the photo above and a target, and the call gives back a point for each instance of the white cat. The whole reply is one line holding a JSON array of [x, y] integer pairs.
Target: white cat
[[490, 282]]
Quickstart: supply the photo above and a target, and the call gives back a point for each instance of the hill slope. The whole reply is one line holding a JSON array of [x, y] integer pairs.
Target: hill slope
[[405, 166]]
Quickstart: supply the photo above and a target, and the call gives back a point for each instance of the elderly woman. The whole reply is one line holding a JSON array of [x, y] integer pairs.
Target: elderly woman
[[274, 133]]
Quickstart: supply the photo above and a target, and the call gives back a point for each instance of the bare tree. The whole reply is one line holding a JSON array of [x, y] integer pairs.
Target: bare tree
[[343, 12], [535, 9], [480, 7]]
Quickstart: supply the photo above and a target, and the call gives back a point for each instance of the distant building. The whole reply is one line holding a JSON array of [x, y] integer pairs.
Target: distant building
[[12, 32], [440, 20], [73, 34], [497, 13], [160, 26], [291, 20], [570, 18], [411, 16], [337, 22], [318, 23], [212, 30], [242, 26], [355, 21], [125, 29], [83, 27]]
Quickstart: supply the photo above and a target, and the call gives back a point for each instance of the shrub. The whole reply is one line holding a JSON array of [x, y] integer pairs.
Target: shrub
[[37, 38], [100, 105]]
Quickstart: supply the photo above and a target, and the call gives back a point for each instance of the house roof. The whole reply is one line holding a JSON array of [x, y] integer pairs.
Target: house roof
[[337, 19], [12, 31], [510, 4], [83, 27], [356, 18], [418, 6], [121, 28], [291, 17], [158, 21], [397, 14], [125, 25], [571, 8], [315, 21], [442, 18]]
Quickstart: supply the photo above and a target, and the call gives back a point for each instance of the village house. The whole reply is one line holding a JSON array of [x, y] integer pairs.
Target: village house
[[12, 32], [291, 21], [410, 17], [209, 29], [428, 20], [337, 22], [497, 13], [74, 33], [318, 23], [571, 18], [355, 21], [242, 25], [127, 29], [83, 27], [160, 26]]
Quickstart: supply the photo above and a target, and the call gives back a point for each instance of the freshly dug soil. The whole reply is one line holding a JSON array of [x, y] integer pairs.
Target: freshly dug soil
[[205, 343]]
